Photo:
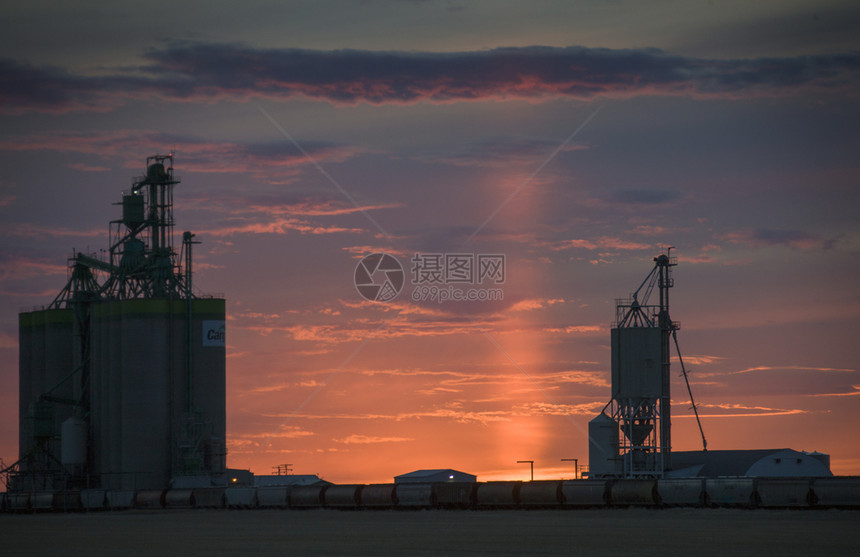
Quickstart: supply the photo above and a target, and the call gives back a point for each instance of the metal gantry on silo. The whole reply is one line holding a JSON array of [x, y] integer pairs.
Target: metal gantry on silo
[[122, 376], [631, 437]]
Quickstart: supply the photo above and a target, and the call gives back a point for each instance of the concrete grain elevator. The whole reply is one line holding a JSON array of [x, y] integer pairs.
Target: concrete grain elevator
[[632, 437], [122, 375]]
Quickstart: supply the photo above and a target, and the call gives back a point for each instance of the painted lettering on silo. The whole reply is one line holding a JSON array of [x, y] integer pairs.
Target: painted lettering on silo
[[214, 333]]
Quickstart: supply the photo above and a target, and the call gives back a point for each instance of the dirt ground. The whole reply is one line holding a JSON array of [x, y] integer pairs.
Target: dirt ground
[[698, 532]]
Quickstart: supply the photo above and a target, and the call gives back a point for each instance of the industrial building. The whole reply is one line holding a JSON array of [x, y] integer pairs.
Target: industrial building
[[288, 480], [769, 463], [631, 437], [434, 476], [122, 375]]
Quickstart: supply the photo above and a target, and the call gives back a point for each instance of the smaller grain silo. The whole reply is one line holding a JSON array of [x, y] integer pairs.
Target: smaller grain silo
[[631, 436]]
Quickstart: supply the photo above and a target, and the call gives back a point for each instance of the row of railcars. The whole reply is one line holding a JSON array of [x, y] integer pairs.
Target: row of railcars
[[837, 492]]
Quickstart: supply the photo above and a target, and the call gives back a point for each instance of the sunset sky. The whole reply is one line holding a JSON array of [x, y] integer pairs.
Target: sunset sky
[[577, 139]]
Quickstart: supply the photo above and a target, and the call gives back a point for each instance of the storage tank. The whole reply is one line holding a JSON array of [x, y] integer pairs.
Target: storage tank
[[132, 210], [93, 499], [540, 494], [209, 497], [730, 491], [636, 366], [633, 492], [307, 495], [457, 495], [120, 499], [141, 390], [784, 492], [681, 491], [498, 494], [273, 496], [42, 501], [149, 499], [156, 173], [46, 351], [584, 493], [379, 495], [413, 495], [73, 442], [240, 497], [26, 373], [837, 492], [603, 456], [343, 496], [133, 255], [179, 499]]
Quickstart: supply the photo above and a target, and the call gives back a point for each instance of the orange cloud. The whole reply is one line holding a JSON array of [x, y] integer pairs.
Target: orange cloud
[[368, 440], [788, 368]]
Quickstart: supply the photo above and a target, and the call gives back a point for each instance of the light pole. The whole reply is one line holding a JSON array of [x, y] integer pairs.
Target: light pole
[[575, 466], [531, 464]]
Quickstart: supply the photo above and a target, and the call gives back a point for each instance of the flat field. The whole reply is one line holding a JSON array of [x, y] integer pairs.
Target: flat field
[[633, 531]]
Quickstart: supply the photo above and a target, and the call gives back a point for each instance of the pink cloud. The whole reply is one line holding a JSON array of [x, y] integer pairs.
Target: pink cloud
[[279, 226], [604, 242], [23, 267], [87, 168]]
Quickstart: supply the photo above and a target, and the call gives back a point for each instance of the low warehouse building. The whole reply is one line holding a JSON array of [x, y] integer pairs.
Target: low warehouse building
[[750, 463], [434, 476]]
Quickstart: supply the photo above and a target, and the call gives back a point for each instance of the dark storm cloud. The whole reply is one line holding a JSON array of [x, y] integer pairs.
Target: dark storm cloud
[[213, 72], [795, 239], [25, 88], [503, 152], [818, 28]]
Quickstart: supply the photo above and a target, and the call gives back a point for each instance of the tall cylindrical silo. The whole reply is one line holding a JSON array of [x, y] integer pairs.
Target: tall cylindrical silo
[[636, 369], [140, 390], [59, 367], [46, 362], [130, 395], [199, 418], [37, 383], [208, 345], [26, 348], [25, 379], [104, 351], [145, 392]]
